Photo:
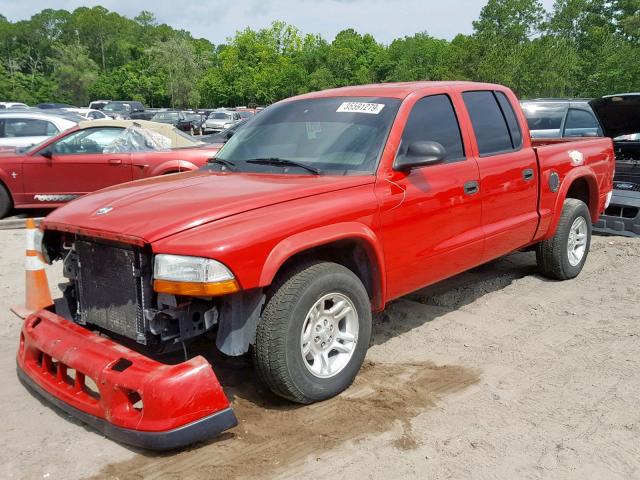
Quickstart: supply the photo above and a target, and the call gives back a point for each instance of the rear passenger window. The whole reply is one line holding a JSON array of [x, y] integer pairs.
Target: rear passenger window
[[489, 123], [434, 119], [512, 121], [27, 127], [580, 123]]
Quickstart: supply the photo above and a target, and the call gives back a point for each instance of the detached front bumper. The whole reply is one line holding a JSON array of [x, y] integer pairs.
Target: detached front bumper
[[125, 395]]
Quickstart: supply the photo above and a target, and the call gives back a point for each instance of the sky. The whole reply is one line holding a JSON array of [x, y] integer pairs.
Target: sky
[[216, 20]]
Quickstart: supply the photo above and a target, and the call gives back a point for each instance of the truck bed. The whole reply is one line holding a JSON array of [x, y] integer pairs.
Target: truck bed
[[591, 157]]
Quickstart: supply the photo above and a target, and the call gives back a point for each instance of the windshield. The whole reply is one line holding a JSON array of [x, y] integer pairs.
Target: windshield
[[116, 107], [167, 116], [220, 116], [338, 135]]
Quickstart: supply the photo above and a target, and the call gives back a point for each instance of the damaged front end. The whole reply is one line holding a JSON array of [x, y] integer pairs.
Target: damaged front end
[[91, 353]]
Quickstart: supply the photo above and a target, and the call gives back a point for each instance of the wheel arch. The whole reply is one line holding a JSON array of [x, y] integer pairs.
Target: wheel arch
[[350, 244], [581, 184]]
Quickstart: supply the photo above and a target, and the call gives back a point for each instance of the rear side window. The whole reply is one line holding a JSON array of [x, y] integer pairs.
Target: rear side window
[[434, 119], [512, 121], [489, 123], [27, 127], [580, 123]]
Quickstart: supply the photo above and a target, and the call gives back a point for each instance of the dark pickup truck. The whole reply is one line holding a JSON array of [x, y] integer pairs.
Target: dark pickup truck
[[320, 210]]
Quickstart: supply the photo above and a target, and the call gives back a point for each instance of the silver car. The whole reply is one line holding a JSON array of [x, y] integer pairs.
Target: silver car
[[26, 128], [560, 117], [220, 120]]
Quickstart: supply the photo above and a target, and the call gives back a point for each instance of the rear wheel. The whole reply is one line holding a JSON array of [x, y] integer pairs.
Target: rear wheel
[[562, 256], [5, 202], [314, 332]]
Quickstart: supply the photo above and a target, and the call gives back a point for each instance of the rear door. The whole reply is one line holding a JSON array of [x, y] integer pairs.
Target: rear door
[[508, 173], [74, 165]]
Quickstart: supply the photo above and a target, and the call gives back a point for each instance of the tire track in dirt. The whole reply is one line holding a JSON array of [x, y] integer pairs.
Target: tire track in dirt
[[274, 434]]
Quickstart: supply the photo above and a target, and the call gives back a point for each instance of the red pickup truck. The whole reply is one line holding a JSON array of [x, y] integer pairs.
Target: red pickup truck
[[91, 156], [319, 211]]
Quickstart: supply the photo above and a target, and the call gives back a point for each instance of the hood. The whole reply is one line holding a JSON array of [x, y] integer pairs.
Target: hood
[[618, 114], [158, 207]]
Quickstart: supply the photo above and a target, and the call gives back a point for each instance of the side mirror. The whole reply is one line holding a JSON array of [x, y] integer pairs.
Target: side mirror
[[420, 154], [46, 153]]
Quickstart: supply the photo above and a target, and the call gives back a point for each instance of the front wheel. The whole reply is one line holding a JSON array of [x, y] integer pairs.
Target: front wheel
[[314, 332], [5, 202], [562, 256]]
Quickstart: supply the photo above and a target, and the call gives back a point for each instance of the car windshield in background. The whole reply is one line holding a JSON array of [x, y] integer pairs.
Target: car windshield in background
[[115, 107], [220, 116], [338, 135], [543, 118], [167, 116]]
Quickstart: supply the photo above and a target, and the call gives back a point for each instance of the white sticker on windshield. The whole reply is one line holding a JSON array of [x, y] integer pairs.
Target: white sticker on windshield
[[360, 107]]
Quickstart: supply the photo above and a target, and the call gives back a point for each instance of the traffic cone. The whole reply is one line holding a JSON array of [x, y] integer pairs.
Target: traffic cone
[[37, 294]]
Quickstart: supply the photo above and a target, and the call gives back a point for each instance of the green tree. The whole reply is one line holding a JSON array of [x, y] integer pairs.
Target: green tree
[[74, 73]]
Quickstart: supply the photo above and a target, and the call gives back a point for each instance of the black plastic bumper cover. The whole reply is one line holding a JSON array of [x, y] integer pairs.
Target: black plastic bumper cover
[[623, 215], [200, 430]]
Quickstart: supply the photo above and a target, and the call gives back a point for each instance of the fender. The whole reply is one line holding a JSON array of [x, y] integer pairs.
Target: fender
[[5, 181], [171, 166], [579, 172], [323, 236]]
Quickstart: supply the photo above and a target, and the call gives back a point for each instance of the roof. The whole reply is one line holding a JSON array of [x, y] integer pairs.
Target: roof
[[67, 120], [394, 90], [178, 139]]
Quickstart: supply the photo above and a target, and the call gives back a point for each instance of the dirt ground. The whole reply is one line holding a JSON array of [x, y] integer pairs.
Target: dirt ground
[[497, 373]]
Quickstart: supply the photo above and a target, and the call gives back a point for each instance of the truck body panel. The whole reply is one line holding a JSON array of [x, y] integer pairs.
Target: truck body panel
[[398, 229]]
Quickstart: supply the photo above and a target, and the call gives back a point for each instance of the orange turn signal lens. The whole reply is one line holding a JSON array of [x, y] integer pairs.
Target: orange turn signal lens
[[196, 289]]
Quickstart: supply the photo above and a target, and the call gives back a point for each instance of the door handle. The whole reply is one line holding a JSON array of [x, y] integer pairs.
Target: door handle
[[527, 174], [115, 161], [471, 187]]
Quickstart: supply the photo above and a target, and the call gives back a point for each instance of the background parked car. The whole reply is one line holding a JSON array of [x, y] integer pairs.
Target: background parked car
[[197, 122], [175, 118], [220, 120], [619, 116], [89, 113], [558, 117], [124, 110], [51, 105], [98, 104], [224, 135], [8, 105], [28, 127], [95, 155]]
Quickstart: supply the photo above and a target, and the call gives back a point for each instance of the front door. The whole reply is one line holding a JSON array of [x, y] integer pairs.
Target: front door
[[431, 217], [79, 163]]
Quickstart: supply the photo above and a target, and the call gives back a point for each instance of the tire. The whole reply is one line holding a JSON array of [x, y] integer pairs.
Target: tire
[[554, 255], [6, 204], [278, 354]]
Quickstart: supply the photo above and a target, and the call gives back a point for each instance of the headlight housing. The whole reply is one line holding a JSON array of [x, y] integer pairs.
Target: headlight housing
[[192, 276]]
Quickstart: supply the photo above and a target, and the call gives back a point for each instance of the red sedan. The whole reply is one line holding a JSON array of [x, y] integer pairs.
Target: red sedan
[[91, 156]]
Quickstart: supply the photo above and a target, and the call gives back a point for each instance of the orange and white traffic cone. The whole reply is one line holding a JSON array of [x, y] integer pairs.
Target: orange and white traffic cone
[[37, 293]]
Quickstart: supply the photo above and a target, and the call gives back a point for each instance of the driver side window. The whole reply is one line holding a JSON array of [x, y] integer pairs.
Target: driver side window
[[91, 140], [434, 119]]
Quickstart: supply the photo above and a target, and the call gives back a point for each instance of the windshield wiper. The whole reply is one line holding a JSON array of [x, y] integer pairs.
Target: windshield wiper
[[284, 162], [221, 161]]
